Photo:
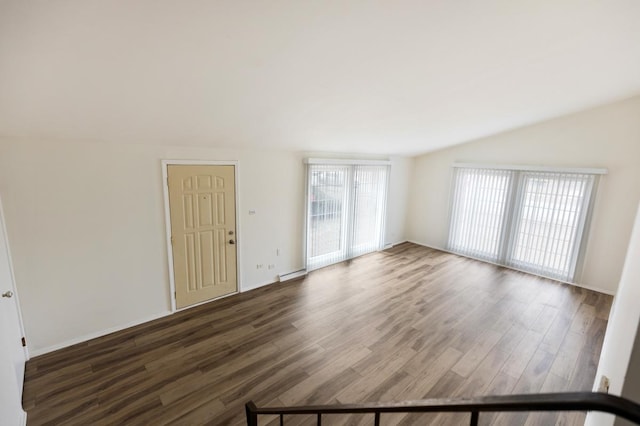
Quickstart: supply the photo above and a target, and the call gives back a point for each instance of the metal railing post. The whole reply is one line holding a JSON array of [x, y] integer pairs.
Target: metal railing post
[[474, 419], [252, 415]]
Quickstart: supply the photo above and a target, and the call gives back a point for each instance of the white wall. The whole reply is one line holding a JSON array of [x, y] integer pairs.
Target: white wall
[[398, 199], [622, 329], [86, 222], [608, 137]]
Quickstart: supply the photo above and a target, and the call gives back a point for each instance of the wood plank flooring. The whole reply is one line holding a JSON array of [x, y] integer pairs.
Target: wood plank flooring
[[402, 324]]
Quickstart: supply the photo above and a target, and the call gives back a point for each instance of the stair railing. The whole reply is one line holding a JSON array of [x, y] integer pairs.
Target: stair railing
[[568, 401]]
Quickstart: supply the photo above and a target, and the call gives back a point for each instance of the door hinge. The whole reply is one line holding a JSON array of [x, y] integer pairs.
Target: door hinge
[[172, 240], [167, 181], [24, 342]]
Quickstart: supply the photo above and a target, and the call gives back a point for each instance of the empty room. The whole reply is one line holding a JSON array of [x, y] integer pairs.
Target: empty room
[[338, 213]]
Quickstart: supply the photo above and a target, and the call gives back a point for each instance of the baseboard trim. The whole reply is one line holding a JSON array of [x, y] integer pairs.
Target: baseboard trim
[[586, 287], [391, 245], [293, 275], [592, 288], [86, 337], [261, 284]]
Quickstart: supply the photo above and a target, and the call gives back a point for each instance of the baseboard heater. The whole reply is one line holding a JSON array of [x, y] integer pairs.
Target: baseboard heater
[[292, 275]]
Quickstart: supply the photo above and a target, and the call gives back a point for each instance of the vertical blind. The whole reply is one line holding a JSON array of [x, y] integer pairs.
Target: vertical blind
[[345, 211], [549, 223], [479, 202], [529, 220]]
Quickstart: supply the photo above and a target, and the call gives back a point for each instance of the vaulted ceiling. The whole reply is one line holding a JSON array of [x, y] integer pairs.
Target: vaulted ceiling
[[391, 77]]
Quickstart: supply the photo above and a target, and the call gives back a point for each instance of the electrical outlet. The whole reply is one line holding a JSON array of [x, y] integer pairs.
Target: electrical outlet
[[259, 266], [604, 384]]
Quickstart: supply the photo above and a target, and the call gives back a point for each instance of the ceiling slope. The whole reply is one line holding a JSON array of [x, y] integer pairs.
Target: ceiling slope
[[401, 77]]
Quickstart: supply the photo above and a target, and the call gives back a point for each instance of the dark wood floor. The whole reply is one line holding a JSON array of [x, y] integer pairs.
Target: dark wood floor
[[406, 323]]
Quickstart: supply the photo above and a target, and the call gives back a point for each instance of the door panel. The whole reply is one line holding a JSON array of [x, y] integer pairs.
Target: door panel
[[12, 354], [203, 229]]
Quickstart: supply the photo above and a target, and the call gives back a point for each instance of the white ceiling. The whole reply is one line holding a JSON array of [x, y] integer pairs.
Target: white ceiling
[[389, 77]]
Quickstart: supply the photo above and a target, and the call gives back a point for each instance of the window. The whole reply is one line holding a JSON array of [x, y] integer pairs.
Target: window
[[345, 210], [533, 220]]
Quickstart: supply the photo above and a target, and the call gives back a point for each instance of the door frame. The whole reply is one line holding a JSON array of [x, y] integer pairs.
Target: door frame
[[167, 222]]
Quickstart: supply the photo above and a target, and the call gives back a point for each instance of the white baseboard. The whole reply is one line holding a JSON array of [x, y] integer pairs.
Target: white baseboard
[[429, 246], [592, 288], [292, 275], [390, 245], [258, 285], [86, 337], [586, 287]]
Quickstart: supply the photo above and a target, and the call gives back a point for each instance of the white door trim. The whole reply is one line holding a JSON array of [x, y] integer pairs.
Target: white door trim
[[167, 222]]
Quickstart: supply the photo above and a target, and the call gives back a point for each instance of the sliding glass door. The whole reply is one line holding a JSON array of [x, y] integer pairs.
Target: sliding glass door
[[526, 219], [345, 211]]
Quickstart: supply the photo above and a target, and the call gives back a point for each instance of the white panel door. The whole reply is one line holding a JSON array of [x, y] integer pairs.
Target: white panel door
[[12, 354]]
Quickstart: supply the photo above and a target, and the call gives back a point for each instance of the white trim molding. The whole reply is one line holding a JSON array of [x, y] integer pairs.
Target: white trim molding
[[593, 171], [345, 161], [293, 275], [167, 221]]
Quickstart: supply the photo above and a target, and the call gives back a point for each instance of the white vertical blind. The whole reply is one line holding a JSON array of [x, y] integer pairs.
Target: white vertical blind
[[345, 211], [550, 214], [477, 216], [326, 213], [369, 196], [530, 220]]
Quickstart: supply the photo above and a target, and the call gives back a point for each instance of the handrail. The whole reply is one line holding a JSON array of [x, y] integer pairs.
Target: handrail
[[567, 401]]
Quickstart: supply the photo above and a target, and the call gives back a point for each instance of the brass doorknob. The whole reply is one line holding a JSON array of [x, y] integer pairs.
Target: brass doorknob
[[7, 294], [231, 242]]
